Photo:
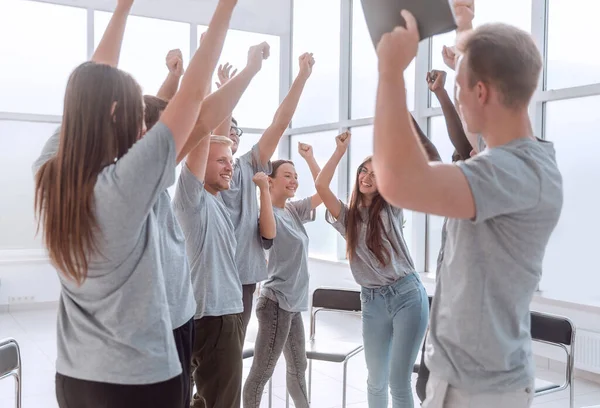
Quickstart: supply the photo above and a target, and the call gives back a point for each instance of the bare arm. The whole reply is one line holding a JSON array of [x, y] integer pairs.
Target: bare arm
[[405, 178], [171, 83], [436, 81], [430, 149], [181, 114], [197, 159], [306, 152], [267, 224], [109, 48], [270, 139], [323, 181]]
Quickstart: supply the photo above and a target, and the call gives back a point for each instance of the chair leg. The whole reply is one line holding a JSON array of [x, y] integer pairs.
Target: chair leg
[[270, 392], [344, 384], [309, 380], [17, 391]]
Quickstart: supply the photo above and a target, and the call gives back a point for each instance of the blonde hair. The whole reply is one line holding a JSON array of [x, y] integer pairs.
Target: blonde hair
[[221, 140]]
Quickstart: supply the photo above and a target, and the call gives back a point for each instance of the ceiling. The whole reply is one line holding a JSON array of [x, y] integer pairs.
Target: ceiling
[[263, 16]]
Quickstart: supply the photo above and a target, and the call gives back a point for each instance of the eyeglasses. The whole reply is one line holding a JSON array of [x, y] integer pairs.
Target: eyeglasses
[[366, 172], [239, 132]]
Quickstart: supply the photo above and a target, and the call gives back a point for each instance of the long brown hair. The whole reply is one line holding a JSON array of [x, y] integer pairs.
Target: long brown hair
[[375, 228], [102, 118]]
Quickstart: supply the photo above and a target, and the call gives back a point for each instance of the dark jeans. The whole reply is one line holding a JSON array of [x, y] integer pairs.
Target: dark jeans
[[184, 340], [278, 331], [217, 361], [247, 298], [74, 393]]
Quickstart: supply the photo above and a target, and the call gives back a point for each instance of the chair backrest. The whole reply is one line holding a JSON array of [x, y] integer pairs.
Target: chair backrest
[[552, 329], [346, 300], [337, 300], [9, 357]]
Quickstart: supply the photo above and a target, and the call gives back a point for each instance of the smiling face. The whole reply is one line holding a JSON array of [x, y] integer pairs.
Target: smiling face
[[284, 180], [219, 168], [365, 179]]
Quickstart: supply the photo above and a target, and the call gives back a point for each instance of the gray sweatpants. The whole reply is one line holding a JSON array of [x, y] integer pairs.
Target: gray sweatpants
[[278, 331]]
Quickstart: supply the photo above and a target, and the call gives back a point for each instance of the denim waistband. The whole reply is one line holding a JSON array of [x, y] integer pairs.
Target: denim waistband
[[401, 285]]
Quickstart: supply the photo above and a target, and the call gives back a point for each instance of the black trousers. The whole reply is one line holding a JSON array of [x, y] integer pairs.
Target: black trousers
[[75, 393], [217, 361], [184, 340], [247, 298]]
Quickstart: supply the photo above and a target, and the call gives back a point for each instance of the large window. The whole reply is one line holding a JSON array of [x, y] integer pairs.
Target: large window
[[145, 46], [38, 54], [364, 69], [317, 30], [322, 236], [515, 12], [20, 145], [574, 128], [572, 26], [261, 99]]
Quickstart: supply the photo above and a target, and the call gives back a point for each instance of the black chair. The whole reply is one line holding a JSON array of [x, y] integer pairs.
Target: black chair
[[332, 300], [559, 332], [10, 365]]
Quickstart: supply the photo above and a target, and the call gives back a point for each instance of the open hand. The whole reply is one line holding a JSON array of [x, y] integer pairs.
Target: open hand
[[225, 74], [175, 62], [307, 62], [257, 54], [261, 180], [397, 49], [436, 80], [342, 141], [305, 150]]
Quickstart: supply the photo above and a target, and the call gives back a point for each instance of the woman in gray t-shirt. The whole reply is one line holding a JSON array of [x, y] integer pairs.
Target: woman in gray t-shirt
[[285, 294], [395, 308]]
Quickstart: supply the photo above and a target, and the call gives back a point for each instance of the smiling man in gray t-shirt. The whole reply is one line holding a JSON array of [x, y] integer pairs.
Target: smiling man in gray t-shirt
[[502, 207]]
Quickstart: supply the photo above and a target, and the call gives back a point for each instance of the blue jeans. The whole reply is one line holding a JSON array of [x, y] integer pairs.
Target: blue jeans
[[394, 320]]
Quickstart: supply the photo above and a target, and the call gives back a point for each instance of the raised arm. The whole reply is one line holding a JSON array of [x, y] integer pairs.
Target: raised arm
[[270, 139], [430, 149], [323, 181], [181, 114], [220, 104], [404, 176], [109, 48], [306, 151], [171, 83], [197, 159], [436, 81], [266, 217]]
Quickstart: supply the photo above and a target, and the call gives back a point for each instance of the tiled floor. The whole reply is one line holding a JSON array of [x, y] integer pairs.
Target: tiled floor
[[35, 332]]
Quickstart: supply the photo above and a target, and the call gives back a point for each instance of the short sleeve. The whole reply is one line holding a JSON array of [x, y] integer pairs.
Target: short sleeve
[[501, 182], [340, 223], [145, 171], [398, 214], [304, 209], [190, 194], [253, 159], [49, 151]]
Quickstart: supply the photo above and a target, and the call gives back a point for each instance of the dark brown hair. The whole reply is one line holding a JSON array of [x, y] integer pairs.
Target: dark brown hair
[[102, 119], [375, 228], [277, 164], [154, 108], [506, 58]]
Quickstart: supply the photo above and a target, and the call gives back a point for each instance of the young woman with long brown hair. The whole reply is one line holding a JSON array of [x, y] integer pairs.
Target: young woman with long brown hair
[[395, 308], [96, 183]]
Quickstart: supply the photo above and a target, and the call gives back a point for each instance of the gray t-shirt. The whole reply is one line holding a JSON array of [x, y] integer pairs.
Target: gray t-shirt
[[116, 327], [178, 280], [242, 204], [480, 337], [210, 243], [366, 268], [288, 257]]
